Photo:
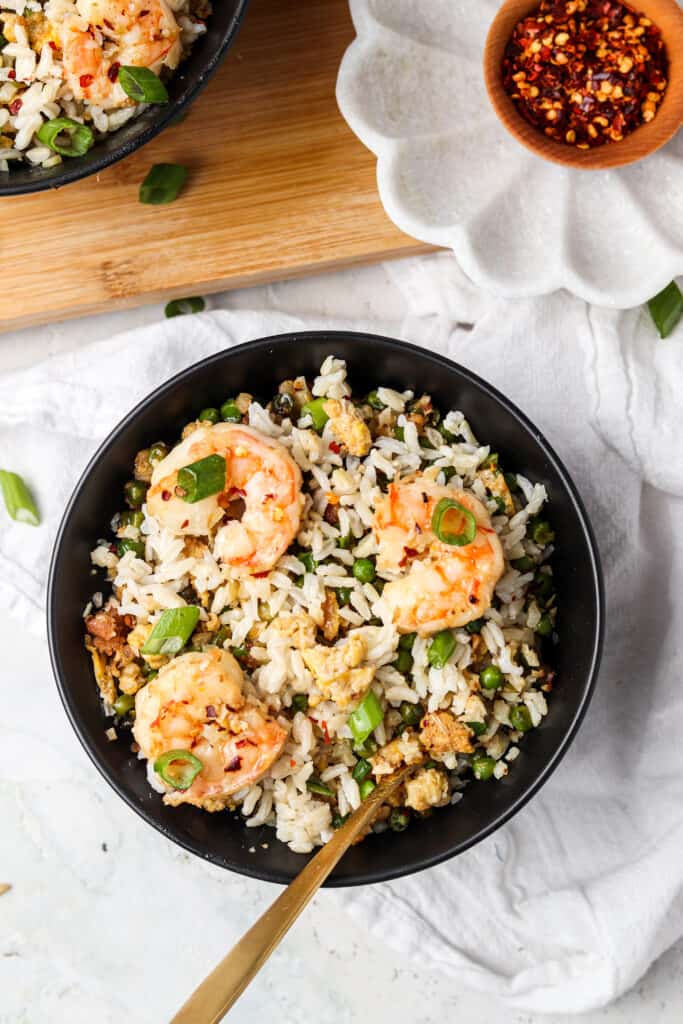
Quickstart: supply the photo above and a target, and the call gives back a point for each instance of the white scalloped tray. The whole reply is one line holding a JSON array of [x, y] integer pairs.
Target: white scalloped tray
[[411, 88]]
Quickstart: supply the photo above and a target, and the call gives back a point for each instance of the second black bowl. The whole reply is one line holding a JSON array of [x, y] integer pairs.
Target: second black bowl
[[183, 87], [258, 367]]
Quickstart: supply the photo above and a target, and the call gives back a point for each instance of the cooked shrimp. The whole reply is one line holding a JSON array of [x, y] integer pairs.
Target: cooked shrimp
[[261, 502], [105, 34], [444, 586], [196, 704]]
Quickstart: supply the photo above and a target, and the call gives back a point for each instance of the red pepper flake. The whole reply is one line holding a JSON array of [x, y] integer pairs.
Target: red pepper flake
[[52, 44], [15, 106], [246, 742], [185, 523], [234, 765], [85, 80], [334, 447], [260, 575], [165, 495], [292, 763], [210, 711], [586, 72], [11, 73], [325, 731], [108, 23], [113, 72]]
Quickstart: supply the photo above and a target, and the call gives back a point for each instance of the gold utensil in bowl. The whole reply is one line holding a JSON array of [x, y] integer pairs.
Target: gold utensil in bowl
[[220, 990], [644, 140]]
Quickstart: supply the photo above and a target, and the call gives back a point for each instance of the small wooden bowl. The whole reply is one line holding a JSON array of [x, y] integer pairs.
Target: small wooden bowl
[[644, 140]]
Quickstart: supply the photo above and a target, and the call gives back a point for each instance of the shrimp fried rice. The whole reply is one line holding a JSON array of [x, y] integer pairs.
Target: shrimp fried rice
[[308, 593]]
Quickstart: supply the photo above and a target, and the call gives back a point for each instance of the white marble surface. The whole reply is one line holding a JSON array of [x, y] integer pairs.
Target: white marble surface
[[107, 921]]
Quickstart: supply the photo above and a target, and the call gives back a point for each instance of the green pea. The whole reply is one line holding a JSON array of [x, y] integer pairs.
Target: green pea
[[520, 719], [135, 492], [315, 410], [399, 433], [124, 704], [299, 582], [425, 442], [339, 820], [343, 596], [404, 662], [230, 413], [361, 770], [406, 641], [545, 626], [482, 767], [346, 542], [491, 678], [131, 518], [411, 714], [367, 748], [475, 626], [523, 564], [283, 405], [307, 559], [366, 787], [544, 585], [542, 533], [441, 648], [478, 728], [375, 402], [210, 415], [399, 820], [126, 544], [300, 702], [364, 570]]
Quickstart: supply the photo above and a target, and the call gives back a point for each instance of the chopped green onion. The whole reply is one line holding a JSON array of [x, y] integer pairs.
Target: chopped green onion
[[180, 307], [544, 585], [346, 542], [339, 820], [367, 716], [3, 41], [18, 499], [314, 785], [399, 820], [448, 472], [172, 631], [542, 533], [467, 523], [405, 642], [67, 137], [411, 714], [178, 768], [441, 648], [283, 404], [475, 626], [666, 309], [366, 787], [221, 636], [123, 704], [491, 677], [317, 413], [240, 653], [482, 767], [364, 570], [308, 561], [361, 770], [520, 719], [404, 662], [130, 518], [368, 748], [545, 626], [478, 728], [230, 413], [126, 544], [523, 564], [343, 596], [209, 415], [511, 481], [300, 702], [162, 184], [375, 402], [201, 479], [399, 433], [142, 85]]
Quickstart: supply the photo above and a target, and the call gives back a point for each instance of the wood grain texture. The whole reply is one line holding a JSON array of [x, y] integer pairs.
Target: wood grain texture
[[279, 187], [668, 15]]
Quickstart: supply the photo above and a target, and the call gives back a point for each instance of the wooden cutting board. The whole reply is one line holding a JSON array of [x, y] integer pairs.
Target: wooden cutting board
[[279, 187]]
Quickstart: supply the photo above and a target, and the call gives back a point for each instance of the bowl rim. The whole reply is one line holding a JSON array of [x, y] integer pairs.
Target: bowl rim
[[638, 145], [84, 167], [246, 867]]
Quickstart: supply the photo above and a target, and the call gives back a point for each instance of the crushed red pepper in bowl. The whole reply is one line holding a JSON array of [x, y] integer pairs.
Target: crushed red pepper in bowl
[[586, 72]]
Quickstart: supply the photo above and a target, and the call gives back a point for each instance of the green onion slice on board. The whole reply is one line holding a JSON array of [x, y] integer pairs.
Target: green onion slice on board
[[162, 184], [180, 307]]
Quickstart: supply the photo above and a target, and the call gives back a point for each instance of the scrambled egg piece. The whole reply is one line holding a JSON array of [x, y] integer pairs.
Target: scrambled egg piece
[[336, 669], [405, 749], [428, 788], [348, 426], [442, 733], [494, 482], [298, 629]]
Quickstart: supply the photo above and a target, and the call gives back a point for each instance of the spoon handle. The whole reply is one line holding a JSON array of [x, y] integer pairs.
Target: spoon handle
[[219, 991]]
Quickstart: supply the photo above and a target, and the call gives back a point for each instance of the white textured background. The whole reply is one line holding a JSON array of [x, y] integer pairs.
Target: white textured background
[[108, 922]]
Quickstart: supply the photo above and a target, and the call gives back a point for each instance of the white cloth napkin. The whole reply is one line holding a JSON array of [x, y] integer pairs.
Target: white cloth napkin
[[567, 905]]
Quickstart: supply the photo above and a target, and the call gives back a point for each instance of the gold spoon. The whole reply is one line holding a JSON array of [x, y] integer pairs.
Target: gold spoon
[[222, 988]]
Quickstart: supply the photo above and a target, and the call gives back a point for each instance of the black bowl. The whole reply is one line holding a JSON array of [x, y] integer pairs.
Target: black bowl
[[183, 87], [258, 367]]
